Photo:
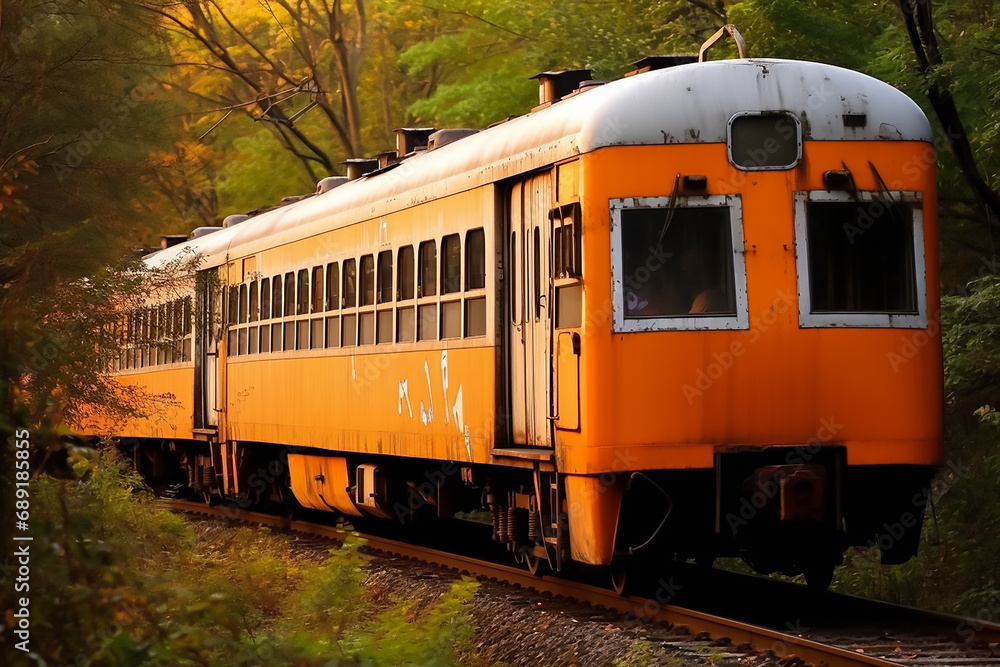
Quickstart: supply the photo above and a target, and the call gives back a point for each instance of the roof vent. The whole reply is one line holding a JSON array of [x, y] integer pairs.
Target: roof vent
[[650, 63], [170, 240], [235, 219], [329, 183], [202, 231], [359, 166], [387, 158], [584, 87], [445, 137], [553, 86], [409, 139]]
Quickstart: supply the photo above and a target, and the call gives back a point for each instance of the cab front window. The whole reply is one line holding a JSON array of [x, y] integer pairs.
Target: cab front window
[[675, 265]]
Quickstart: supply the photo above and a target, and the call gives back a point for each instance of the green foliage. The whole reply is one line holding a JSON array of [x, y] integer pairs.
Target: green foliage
[[117, 580], [486, 51], [958, 567]]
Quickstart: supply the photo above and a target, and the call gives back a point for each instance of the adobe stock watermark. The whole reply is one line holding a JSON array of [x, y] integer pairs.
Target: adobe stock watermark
[[722, 361], [911, 344], [765, 491]]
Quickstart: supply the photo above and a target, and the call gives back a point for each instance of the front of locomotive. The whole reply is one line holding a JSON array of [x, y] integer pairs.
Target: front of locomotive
[[760, 358]]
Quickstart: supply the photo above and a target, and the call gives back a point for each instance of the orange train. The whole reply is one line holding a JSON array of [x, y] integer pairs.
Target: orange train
[[685, 314]]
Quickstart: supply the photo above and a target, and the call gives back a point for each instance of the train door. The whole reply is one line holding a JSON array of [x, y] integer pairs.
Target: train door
[[208, 317], [529, 235]]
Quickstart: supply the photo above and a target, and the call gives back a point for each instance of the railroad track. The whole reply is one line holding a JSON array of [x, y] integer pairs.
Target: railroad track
[[915, 637]]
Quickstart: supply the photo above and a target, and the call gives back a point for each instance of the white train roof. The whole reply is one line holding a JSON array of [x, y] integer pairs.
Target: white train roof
[[685, 104]]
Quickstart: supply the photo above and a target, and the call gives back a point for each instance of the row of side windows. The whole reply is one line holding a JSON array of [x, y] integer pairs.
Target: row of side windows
[[155, 336], [366, 300]]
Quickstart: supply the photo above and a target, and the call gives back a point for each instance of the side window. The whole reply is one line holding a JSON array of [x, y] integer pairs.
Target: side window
[[276, 293], [475, 279], [332, 286], [428, 269], [254, 302], [317, 289], [265, 298], [367, 280], [243, 304], [451, 264], [678, 265], [405, 278], [289, 294], [234, 305], [384, 286], [302, 303], [566, 241], [405, 292], [350, 297], [475, 259], [868, 274]]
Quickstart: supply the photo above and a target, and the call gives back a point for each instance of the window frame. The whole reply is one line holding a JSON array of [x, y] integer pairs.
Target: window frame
[[622, 324], [774, 112], [811, 320]]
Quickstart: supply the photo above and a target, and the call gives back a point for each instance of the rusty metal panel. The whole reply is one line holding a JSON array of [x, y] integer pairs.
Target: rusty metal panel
[[593, 505], [320, 482]]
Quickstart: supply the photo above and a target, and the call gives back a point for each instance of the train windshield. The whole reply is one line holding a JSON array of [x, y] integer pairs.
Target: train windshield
[[677, 263], [861, 257]]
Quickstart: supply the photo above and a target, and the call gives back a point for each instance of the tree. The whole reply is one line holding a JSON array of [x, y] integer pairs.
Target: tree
[[477, 67], [77, 123]]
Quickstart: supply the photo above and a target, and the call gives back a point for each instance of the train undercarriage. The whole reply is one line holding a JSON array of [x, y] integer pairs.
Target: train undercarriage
[[782, 510]]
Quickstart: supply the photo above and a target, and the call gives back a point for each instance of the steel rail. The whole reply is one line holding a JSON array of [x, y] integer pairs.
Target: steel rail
[[760, 638]]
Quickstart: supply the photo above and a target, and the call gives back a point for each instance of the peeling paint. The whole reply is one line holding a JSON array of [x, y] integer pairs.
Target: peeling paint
[[427, 415], [459, 410], [468, 442], [404, 392], [354, 371], [444, 381]]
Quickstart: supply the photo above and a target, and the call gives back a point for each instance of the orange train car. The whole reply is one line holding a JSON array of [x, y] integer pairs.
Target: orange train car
[[685, 314]]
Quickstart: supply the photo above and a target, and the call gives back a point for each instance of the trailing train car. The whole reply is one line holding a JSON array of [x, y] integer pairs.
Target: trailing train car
[[685, 314]]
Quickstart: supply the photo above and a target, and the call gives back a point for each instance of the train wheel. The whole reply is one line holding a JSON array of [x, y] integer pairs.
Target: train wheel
[[619, 576], [531, 562], [819, 577]]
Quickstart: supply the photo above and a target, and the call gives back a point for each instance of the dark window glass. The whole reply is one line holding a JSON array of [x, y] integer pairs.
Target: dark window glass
[[234, 304], [678, 265], [385, 276], [317, 289], [276, 293], [187, 315], [265, 298], [475, 259], [243, 304], [566, 241], [404, 281], [367, 281], [766, 141], [302, 302], [289, 294], [332, 286], [428, 269], [350, 297], [861, 257], [451, 264], [254, 303]]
